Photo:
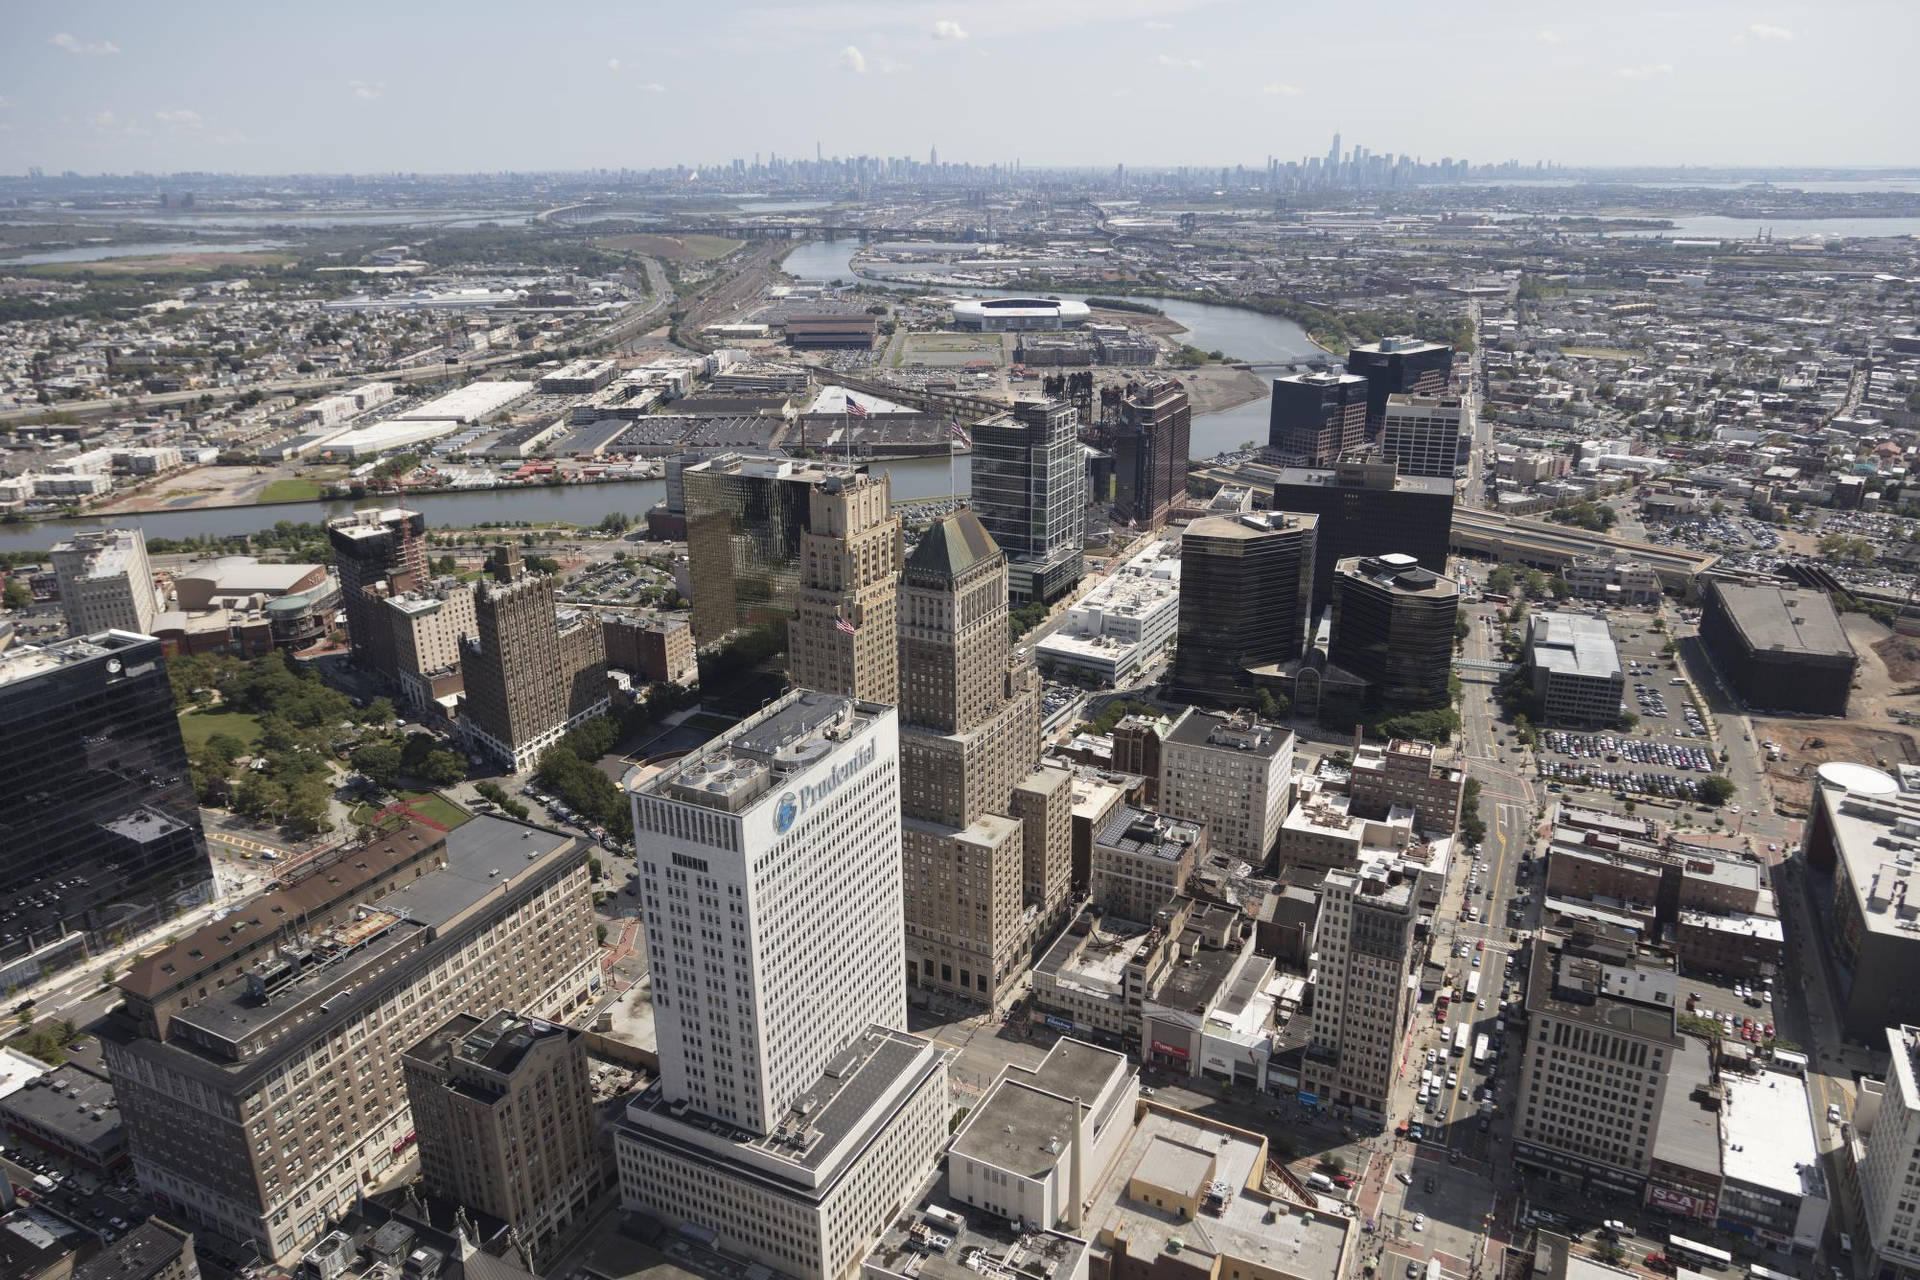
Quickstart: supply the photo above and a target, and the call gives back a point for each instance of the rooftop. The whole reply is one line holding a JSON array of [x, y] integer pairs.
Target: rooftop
[[1142, 833], [1689, 1130], [745, 763], [951, 546], [1574, 644], [1793, 620], [1235, 732], [948, 1239], [144, 1251], [1397, 572], [1877, 837], [1770, 1139], [26, 661], [1251, 524], [75, 1104], [1604, 981]]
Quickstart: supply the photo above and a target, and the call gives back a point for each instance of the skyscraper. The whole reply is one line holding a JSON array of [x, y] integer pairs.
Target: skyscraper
[[103, 832], [106, 583], [845, 638], [1316, 418], [1245, 584], [792, 1115], [532, 672], [371, 548], [1427, 435], [1030, 492], [1150, 450], [1393, 625], [745, 520], [983, 821], [1364, 950], [1366, 508], [1397, 366]]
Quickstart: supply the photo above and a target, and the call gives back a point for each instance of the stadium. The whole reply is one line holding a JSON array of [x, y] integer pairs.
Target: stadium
[[1000, 315]]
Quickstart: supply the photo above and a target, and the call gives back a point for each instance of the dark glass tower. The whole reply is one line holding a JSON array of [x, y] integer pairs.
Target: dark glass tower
[[1393, 625], [1399, 366], [1316, 418], [1367, 508], [1245, 585], [102, 829]]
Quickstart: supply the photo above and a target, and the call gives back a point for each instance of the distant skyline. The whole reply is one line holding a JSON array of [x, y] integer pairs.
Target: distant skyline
[[489, 86]]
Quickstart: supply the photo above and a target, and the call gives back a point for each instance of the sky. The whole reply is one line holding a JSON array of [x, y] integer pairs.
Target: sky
[[484, 85]]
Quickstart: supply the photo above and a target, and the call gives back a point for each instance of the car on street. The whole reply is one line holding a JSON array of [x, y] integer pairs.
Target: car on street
[[1419, 1222], [1404, 1176]]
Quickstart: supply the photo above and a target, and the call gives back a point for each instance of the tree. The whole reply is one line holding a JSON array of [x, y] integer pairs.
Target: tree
[[19, 595], [380, 762], [443, 768], [1715, 790], [1473, 827], [308, 810], [379, 712], [260, 797]]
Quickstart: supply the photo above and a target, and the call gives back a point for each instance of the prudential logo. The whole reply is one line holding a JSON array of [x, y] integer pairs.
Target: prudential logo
[[791, 804], [785, 812]]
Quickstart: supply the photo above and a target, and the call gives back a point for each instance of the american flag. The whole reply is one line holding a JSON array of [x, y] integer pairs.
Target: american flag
[[855, 409], [841, 624], [959, 432]]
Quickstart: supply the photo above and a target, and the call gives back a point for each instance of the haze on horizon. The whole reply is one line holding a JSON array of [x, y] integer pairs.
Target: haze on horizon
[[359, 87]]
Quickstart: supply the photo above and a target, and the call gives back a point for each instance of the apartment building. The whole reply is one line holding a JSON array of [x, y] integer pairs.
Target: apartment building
[[1232, 772], [503, 1112], [1601, 1038], [257, 1060], [532, 671]]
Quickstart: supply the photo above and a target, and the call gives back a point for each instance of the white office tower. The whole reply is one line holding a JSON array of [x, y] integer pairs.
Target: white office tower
[[1889, 1115], [792, 1118], [106, 583]]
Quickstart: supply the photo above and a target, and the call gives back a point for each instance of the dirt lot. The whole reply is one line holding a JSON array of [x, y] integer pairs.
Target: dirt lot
[[1216, 387], [1901, 654], [694, 248], [1809, 744], [163, 262], [212, 487]]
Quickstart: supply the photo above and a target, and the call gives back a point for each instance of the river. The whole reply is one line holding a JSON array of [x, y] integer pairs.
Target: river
[[104, 252], [1246, 335]]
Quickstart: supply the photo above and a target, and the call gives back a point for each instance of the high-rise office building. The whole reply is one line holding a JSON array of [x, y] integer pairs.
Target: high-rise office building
[[792, 1117], [1399, 366], [746, 517], [532, 671], [106, 583], [257, 1060], [1030, 492], [1367, 508], [845, 638], [1393, 626], [503, 1112], [103, 829], [1150, 451], [1601, 1037], [1427, 435], [1316, 418], [983, 821], [1892, 1164], [1245, 584], [1232, 772], [371, 549], [1363, 953]]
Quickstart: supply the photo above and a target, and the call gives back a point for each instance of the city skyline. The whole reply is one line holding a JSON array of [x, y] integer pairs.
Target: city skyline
[[121, 89]]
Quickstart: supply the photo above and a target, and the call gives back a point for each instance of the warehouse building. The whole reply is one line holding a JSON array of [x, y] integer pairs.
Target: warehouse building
[[1780, 648]]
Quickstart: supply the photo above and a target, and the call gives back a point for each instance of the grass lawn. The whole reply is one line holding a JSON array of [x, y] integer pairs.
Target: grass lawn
[[435, 808], [198, 726], [294, 489]]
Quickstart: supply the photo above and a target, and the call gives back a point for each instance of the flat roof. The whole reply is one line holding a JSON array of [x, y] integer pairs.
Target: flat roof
[[1689, 1131], [1020, 1128], [1252, 524], [1789, 620], [1873, 836], [1143, 833], [1770, 1139], [70, 1102], [28, 660], [1574, 644], [1224, 732]]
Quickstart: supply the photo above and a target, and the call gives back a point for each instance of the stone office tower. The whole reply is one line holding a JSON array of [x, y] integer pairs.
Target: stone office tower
[[986, 834], [845, 637], [533, 671]]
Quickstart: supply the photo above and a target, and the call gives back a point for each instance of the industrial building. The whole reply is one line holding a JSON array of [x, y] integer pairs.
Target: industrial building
[[1780, 648], [1575, 669], [578, 378], [828, 332], [1393, 626], [1367, 508], [441, 416]]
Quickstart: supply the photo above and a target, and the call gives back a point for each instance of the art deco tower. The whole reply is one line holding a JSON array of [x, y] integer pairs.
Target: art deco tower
[[845, 637]]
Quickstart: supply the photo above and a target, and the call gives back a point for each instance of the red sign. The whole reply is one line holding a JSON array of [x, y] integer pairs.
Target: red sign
[[1669, 1201], [1173, 1051]]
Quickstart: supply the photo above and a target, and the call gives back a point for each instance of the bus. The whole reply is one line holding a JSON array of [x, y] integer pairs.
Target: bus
[[1480, 1051], [1700, 1255], [1473, 986], [1460, 1040], [1758, 1272], [1433, 1269]]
